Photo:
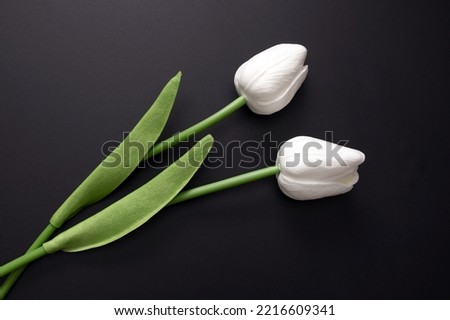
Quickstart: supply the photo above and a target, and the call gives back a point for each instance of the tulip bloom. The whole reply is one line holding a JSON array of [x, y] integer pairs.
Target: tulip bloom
[[312, 168], [270, 79], [306, 169]]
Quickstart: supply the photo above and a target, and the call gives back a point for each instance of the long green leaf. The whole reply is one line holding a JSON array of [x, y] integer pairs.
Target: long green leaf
[[133, 210], [115, 168]]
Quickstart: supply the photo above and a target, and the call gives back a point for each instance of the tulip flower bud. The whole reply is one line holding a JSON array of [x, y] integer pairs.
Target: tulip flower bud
[[270, 79], [312, 168]]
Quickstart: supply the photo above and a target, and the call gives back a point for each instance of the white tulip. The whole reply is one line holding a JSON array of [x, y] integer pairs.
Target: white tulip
[[270, 79], [311, 168]]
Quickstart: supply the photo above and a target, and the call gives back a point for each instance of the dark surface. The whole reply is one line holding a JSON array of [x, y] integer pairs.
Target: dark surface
[[75, 74]]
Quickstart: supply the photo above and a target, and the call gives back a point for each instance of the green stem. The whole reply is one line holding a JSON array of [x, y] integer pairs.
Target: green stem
[[225, 184], [15, 275], [22, 261], [197, 128]]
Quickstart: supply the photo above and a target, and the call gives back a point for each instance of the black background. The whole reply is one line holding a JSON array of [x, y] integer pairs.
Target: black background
[[75, 74]]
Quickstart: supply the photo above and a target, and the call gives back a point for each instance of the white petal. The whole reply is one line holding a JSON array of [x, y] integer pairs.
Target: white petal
[[270, 79], [308, 171]]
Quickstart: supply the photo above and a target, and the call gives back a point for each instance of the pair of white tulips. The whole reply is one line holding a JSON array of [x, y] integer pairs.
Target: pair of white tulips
[[309, 168], [306, 168]]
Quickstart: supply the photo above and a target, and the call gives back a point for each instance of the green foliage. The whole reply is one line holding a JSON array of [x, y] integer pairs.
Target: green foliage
[[136, 208]]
